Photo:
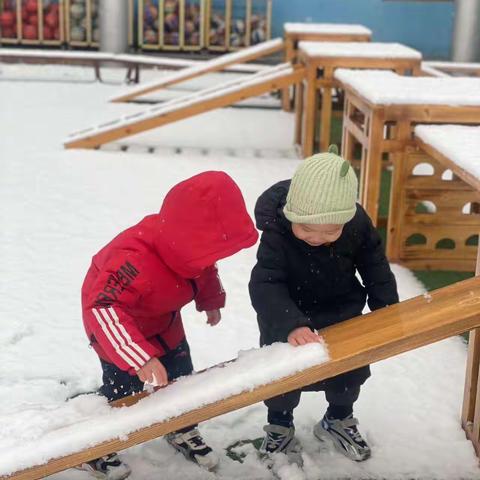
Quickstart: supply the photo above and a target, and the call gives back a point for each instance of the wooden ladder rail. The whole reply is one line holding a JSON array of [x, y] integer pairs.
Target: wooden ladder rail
[[265, 81], [352, 344], [209, 66]]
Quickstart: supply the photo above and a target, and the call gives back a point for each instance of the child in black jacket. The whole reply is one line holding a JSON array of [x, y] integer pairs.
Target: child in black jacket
[[315, 238]]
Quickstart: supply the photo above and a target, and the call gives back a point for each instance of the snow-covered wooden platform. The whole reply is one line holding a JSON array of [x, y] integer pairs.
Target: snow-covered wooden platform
[[382, 108], [358, 50], [317, 32], [321, 60], [459, 145], [351, 344], [337, 29], [434, 222]]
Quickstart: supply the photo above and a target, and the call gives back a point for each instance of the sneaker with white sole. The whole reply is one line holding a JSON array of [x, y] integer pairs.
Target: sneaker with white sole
[[279, 439], [194, 448], [109, 467], [345, 436]]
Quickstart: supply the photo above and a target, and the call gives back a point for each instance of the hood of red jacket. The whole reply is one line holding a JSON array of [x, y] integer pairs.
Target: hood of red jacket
[[202, 220]]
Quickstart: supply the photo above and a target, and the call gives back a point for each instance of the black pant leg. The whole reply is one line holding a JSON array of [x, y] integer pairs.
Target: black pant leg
[[343, 390], [178, 362], [280, 408], [118, 383]]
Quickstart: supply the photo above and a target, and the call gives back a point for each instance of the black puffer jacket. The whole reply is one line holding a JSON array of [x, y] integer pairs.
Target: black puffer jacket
[[294, 284]]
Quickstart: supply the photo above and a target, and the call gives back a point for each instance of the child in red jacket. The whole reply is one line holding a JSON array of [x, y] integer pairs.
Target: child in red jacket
[[138, 283]]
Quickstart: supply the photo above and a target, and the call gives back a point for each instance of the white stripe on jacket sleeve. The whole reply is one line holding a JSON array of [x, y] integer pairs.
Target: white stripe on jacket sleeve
[[127, 336], [127, 346], [115, 345]]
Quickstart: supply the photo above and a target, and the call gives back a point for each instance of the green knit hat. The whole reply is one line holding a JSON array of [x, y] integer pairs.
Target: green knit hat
[[323, 190]]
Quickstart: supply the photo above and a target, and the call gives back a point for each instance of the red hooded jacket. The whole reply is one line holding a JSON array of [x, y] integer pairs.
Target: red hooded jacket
[[137, 284]]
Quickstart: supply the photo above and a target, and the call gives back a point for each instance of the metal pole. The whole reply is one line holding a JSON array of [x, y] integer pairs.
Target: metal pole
[[114, 26], [466, 33]]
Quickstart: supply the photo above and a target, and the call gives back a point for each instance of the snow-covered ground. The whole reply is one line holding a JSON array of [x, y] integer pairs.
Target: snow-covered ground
[[59, 207]]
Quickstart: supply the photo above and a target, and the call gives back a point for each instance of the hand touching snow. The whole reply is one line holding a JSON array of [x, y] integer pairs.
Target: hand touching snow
[[302, 336], [213, 317], [154, 373]]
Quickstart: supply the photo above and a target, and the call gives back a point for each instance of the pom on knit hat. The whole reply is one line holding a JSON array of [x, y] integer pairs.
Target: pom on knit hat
[[323, 190]]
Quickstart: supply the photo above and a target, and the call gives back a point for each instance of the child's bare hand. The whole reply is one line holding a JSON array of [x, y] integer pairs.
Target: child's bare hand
[[153, 372], [302, 336], [213, 317]]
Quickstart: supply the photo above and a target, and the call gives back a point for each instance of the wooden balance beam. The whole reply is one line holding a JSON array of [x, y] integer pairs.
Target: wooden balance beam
[[270, 79], [214, 65], [352, 344]]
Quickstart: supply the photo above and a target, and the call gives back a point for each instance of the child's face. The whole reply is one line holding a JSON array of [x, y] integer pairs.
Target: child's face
[[316, 235]]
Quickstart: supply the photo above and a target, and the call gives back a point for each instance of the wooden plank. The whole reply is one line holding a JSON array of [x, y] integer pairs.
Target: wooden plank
[[188, 106], [363, 340], [210, 66], [328, 37], [370, 63], [426, 263]]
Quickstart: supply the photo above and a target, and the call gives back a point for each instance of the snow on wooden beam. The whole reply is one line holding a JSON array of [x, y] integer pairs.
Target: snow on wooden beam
[[270, 79], [363, 340], [245, 55]]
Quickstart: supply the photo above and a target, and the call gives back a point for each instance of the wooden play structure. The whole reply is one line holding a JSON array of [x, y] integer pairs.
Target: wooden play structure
[[209, 66], [382, 109], [363, 340], [314, 74], [434, 202], [294, 33], [321, 59], [267, 80]]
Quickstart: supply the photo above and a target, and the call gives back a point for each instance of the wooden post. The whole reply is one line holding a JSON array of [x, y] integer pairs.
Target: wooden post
[[347, 139], [309, 111], [400, 173], [372, 167], [289, 57], [326, 110], [471, 407], [299, 95]]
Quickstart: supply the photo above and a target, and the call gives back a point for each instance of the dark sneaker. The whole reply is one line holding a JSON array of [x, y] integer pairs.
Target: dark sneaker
[[345, 436], [194, 448], [109, 467], [280, 439]]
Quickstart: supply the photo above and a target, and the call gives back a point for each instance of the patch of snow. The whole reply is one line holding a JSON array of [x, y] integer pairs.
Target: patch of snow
[[460, 144], [56, 431], [387, 88], [327, 28], [358, 49]]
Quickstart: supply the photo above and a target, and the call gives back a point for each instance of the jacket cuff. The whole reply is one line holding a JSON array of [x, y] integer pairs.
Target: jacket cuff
[[208, 304]]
